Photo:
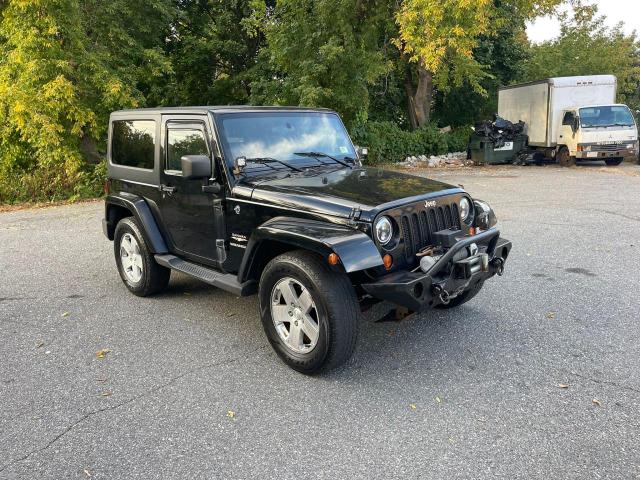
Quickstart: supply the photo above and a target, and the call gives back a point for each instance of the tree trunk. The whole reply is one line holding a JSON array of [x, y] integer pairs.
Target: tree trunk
[[419, 99]]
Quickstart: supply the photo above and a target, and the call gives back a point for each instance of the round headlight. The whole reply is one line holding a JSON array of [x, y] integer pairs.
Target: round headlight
[[384, 230], [465, 209]]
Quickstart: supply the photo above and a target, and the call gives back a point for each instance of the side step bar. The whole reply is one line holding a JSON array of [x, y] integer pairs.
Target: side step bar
[[224, 281]]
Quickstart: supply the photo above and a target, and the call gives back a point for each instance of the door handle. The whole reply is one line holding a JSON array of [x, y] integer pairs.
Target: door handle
[[167, 189]]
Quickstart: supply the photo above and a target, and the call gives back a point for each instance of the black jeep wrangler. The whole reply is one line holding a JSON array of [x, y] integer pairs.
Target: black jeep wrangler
[[275, 201]]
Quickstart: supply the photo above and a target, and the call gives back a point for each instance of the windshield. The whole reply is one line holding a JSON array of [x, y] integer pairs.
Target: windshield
[[280, 135], [606, 116]]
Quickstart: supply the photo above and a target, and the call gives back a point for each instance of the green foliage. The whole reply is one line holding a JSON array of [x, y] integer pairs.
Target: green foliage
[[64, 65], [212, 51], [389, 143], [320, 53], [587, 47], [502, 52]]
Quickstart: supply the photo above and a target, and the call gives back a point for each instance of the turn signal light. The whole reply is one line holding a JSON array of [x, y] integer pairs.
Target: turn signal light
[[472, 231], [333, 259], [387, 261]]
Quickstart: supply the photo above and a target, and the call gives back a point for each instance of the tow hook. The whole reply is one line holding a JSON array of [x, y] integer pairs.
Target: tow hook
[[442, 294], [498, 264]]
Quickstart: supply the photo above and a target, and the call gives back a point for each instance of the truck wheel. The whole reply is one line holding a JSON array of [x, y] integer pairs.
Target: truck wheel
[[309, 312], [138, 269], [564, 158], [464, 297], [612, 162]]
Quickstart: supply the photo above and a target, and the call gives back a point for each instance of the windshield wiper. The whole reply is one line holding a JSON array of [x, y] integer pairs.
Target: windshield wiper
[[267, 160], [318, 155]]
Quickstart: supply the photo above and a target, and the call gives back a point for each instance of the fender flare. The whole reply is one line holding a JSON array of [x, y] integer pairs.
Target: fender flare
[[355, 249], [142, 213]]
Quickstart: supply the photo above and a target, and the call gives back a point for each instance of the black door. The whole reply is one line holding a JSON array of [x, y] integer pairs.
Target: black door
[[187, 212]]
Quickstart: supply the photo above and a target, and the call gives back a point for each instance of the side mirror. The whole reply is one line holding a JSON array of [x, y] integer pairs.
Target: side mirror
[[363, 151], [196, 166]]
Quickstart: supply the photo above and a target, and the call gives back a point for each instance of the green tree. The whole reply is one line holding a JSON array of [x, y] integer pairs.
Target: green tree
[[212, 53], [320, 53], [438, 37], [586, 46], [64, 65], [502, 52]]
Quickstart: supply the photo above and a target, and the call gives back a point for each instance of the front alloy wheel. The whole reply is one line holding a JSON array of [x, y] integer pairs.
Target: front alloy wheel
[[295, 315], [309, 311]]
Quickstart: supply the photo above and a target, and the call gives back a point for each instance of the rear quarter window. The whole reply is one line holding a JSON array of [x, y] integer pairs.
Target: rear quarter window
[[133, 143]]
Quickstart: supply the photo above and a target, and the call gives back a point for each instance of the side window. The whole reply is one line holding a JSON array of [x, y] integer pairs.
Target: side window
[[133, 143], [568, 118], [184, 140]]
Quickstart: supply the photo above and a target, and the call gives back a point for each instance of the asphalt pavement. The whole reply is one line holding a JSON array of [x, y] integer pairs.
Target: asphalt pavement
[[537, 377]]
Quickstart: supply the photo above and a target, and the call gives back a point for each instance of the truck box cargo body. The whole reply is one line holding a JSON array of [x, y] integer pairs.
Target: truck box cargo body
[[572, 116], [541, 104]]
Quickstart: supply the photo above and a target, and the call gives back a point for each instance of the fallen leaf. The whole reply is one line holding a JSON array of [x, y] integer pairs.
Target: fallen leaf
[[103, 352], [595, 401], [47, 352], [451, 440], [551, 315], [563, 385], [412, 406], [40, 345], [65, 314], [438, 400], [231, 414], [102, 380], [106, 393], [87, 473]]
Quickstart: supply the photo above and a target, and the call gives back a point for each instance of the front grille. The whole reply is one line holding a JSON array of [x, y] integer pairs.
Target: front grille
[[419, 227], [608, 148]]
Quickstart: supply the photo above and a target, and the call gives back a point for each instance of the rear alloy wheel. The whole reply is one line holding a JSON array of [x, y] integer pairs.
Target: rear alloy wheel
[[612, 162], [564, 158], [309, 312], [138, 269]]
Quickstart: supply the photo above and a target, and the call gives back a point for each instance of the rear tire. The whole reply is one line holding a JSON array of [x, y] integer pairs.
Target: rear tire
[[136, 265], [564, 158], [612, 162], [309, 312], [464, 297]]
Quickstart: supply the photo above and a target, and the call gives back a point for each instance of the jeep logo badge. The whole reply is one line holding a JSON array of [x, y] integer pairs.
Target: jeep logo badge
[[429, 203]]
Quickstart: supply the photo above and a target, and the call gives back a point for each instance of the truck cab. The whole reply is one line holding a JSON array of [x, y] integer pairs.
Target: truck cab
[[597, 132]]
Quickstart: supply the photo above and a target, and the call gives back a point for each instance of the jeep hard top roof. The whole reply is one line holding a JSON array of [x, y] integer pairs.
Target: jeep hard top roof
[[220, 109]]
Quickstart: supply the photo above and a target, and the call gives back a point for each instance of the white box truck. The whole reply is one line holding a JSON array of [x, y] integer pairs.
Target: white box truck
[[573, 117]]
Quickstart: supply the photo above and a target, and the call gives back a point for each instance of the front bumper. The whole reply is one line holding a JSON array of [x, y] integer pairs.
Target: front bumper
[[600, 155], [450, 275]]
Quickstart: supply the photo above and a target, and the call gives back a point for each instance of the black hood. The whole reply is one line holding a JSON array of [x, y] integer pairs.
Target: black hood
[[339, 192]]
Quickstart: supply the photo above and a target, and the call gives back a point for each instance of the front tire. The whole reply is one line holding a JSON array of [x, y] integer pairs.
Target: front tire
[[564, 157], [136, 265], [309, 312], [613, 162]]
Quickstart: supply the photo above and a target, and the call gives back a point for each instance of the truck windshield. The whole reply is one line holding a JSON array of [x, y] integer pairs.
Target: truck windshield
[[283, 135], [606, 116]]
